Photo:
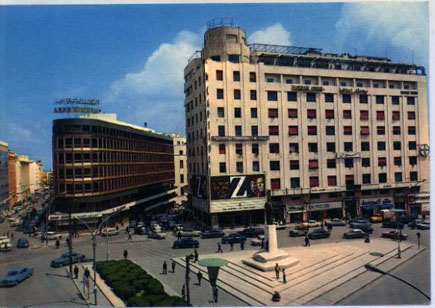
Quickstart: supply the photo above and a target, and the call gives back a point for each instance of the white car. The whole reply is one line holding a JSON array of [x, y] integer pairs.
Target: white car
[[109, 231], [311, 223], [15, 222], [156, 235], [50, 235], [5, 243]]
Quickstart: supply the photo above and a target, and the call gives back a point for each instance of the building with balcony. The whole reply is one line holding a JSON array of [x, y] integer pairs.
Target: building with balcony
[[4, 175], [322, 135]]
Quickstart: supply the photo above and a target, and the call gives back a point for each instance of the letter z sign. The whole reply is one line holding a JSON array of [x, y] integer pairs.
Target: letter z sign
[[238, 187]]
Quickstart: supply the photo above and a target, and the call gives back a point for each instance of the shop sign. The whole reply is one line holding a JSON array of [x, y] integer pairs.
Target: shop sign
[[423, 150], [348, 154], [236, 205], [240, 138], [421, 198], [351, 90], [376, 201], [314, 206], [238, 186], [307, 88]]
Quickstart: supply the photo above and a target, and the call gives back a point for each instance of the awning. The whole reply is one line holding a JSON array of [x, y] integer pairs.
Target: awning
[[368, 207], [385, 206]]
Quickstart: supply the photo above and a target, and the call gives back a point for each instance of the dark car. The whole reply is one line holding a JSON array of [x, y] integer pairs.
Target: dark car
[[318, 233], [394, 234], [64, 259], [22, 243], [296, 233], [185, 242], [366, 227], [213, 234], [407, 219], [252, 232], [2, 219], [425, 225], [392, 224], [141, 231], [15, 276], [354, 233], [233, 238], [413, 224]]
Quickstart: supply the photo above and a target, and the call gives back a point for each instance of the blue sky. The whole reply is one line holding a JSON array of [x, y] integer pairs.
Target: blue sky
[[116, 53]]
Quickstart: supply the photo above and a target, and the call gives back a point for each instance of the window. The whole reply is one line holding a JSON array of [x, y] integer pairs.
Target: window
[[365, 131], [347, 130], [412, 145], [379, 99], [413, 175], [312, 130], [311, 97], [382, 161], [397, 161], [274, 131], [294, 165], [312, 147], [275, 184], [411, 130], [363, 99], [292, 96], [274, 148], [237, 112], [411, 115], [233, 58], [329, 98], [330, 147], [381, 145], [222, 148], [380, 130], [364, 115], [219, 75], [238, 130], [346, 98], [348, 163], [221, 131], [272, 96], [314, 181], [253, 95], [396, 130], [410, 100], [292, 130], [254, 113], [382, 178], [366, 178], [236, 76], [347, 114], [295, 183], [255, 166], [237, 94], [329, 113], [365, 162], [365, 146], [220, 93], [349, 179], [293, 147], [325, 82], [398, 176], [289, 81], [397, 145], [396, 115], [255, 148], [273, 113], [331, 163], [254, 130], [380, 115], [332, 180], [413, 160], [307, 81], [292, 113], [222, 167], [274, 165], [348, 146], [239, 166], [395, 100], [311, 113], [181, 178], [252, 77], [313, 164]]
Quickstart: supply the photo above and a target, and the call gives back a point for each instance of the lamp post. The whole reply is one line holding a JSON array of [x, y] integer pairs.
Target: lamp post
[[399, 230], [213, 265], [375, 269], [407, 194]]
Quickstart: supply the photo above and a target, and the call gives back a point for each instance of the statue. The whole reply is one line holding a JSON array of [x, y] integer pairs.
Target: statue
[[270, 216]]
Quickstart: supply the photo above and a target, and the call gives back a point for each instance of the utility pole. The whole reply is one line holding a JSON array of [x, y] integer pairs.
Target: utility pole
[[187, 280], [94, 246], [70, 244]]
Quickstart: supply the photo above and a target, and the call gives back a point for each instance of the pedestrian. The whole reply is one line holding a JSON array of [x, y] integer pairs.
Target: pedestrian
[[199, 276], [127, 229], [183, 292], [277, 270], [76, 271], [179, 235], [231, 246], [129, 236], [57, 244], [125, 253], [87, 273], [242, 245], [165, 268], [284, 279], [196, 255], [219, 248], [173, 266], [46, 239], [68, 241], [307, 241], [215, 294]]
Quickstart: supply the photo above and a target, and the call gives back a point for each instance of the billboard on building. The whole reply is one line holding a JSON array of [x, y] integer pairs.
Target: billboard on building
[[237, 186]]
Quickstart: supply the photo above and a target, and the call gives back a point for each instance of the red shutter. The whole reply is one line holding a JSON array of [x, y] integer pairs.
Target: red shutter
[[239, 148], [332, 181], [347, 130], [221, 148], [312, 130], [293, 130], [311, 113], [380, 115], [396, 115], [382, 161], [273, 130], [275, 184], [411, 115], [314, 181], [273, 113], [364, 115], [313, 164], [329, 114], [292, 113], [365, 130]]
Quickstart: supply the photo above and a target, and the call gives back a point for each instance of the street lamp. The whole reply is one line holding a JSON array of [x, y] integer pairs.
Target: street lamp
[[213, 265], [371, 267], [399, 230]]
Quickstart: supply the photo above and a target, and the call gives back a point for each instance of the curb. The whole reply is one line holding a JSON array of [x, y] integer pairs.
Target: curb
[[80, 290]]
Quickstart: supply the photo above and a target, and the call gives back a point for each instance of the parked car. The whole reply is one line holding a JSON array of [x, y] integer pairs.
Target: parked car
[[424, 225], [252, 232], [64, 259], [296, 233], [140, 231], [15, 276], [336, 222], [354, 233], [376, 218], [5, 243], [256, 241], [213, 234], [22, 243], [190, 233], [109, 231], [311, 223], [157, 235], [414, 223], [318, 233], [359, 222], [15, 222], [186, 242], [280, 226], [233, 238], [50, 235], [302, 227], [407, 219], [392, 224], [394, 234], [366, 227]]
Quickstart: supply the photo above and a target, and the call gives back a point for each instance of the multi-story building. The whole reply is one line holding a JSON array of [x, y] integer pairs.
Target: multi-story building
[[4, 175], [13, 186], [180, 167], [23, 177], [324, 134], [101, 165]]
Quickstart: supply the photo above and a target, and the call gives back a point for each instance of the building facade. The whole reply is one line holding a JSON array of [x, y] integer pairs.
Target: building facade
[[324, 135], [4, 175], [23, 177], [101, 165], [13, 186], [180, 167]]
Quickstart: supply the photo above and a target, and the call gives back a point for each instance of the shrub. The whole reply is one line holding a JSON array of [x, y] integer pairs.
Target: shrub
[[153, 287], [138, 301], [123, 291]]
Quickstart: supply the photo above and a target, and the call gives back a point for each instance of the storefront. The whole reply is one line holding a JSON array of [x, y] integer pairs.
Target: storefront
[[318, 211], [419, 204], [369, 206]]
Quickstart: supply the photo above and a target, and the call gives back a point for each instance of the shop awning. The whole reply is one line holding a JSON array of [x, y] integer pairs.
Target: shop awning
[[369, 207], [385, 206]]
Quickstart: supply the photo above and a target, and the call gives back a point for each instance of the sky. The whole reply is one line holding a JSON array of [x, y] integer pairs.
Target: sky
[[131, 57]]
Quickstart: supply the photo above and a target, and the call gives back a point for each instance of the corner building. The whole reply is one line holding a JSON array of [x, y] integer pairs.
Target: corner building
[[324, 135]]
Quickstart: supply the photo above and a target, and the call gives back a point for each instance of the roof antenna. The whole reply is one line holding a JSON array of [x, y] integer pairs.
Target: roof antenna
[[355, 52]]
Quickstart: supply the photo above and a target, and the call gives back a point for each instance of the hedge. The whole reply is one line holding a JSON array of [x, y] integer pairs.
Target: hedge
[[135, 286]]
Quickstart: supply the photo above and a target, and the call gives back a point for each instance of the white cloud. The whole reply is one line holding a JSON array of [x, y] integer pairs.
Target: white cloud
[[275, 34], [399, 24]]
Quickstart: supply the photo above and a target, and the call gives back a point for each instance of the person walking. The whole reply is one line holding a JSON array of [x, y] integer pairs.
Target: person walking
[[277, 270], [231, 246], [179, 235], [242, 245], [125, 253], [127, 229], [173, 266], [215, 294], [199, 276], [219, 248], [183, 292], [165, 268], [196, 256], [57, 244], [284, 279], [76, 271], [129, 236], [307, 241]]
